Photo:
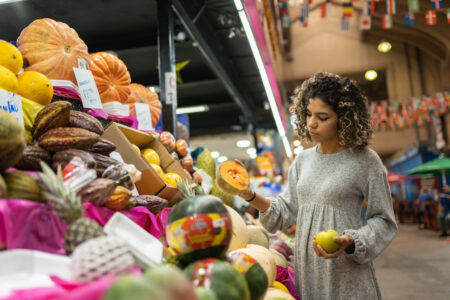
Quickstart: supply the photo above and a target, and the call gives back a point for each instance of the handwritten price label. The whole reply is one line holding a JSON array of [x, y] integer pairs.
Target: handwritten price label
[[88, 89], [143, 116], [12, 104]]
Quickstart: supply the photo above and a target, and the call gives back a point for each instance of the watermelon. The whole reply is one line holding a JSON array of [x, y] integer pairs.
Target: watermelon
[[205, 294], [133, 287], [199, 227], [253, 273], [220, 277]]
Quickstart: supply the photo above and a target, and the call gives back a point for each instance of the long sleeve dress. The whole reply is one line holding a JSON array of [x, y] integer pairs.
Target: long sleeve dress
[[326, 191]]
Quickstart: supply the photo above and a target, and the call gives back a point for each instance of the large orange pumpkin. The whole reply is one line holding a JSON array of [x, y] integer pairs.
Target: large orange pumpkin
[[111, 76], [141, 94], [52, 48]]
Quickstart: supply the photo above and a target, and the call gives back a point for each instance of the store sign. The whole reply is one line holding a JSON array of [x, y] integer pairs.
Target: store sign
[[143, 116], [88, 89], [171, 88], [12, 104]]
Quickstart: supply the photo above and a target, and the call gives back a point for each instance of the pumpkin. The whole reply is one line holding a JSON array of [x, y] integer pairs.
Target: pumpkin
[[111, 76], [168, 140], [52, 48], [232, 177], [141, 94], [188, 163], [182, 147], [239, 238]]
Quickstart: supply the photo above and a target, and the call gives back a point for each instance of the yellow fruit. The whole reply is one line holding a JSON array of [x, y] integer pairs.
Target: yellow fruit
[[158, 170], [136, 148], [10, 57], [280, 286], [151, 156], [171, 178], [8, 80], [35, 86]]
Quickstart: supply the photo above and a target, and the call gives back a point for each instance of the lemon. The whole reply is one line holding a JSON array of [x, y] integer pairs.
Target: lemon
[[10, 57], [35, 86], [136, 148], [151, 156], [158, 170], [8, 80], [171, 178]]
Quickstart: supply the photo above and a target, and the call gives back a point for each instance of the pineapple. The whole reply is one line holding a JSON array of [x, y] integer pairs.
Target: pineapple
[[189, 191], [67, 205]]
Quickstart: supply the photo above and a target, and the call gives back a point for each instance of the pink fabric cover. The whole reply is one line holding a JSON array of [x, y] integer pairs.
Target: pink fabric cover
[[287, 277]]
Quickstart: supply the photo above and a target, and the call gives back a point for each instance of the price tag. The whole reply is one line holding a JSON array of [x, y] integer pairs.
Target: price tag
[[143, 116], [171, 88], [12, 104], [88, 89]]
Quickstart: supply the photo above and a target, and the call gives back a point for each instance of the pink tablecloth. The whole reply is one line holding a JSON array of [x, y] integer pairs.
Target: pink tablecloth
[[30, 225]]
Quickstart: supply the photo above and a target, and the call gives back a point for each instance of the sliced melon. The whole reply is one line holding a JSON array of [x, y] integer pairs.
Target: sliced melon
[[232, 177]]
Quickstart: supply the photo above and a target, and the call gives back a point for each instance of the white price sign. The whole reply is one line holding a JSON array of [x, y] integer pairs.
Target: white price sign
[[171, 88], [12, 104], [143, 116], [88, 89]]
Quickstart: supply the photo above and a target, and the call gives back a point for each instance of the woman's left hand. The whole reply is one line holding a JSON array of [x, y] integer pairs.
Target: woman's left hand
[[343, 240]]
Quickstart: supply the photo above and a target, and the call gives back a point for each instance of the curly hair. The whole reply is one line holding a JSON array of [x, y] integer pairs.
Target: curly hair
[[345, 98]]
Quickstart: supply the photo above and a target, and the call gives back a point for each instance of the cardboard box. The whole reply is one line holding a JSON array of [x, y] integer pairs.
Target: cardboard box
[[150, 184]]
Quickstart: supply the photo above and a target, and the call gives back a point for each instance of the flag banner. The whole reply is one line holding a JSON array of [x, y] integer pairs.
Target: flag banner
[[448, 15], [413, 6], [430, 17], [391, 7], [436, 4], [365, 22], [326, 10], [345, 23], [409, 19], [347, 10], [369, 8], [309, 1], [386, 21]]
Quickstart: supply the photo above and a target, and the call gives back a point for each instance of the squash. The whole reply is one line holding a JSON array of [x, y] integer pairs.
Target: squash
[[258, 235], [10, 57], [35, 86], [232, 177], [111, 76], [142, 94], [52, 48], [8, 80], [168, 140], [277, 294], [265, 258], [280, 260], [239, 238], [12, 140], [182, 147]]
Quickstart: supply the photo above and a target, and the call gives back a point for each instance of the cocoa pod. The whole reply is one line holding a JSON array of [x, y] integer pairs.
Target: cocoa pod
[[31, 158], [97, 191], [153, 203], [62, 158], [103, 146], [120, 175], [53, 115], [103, 162], [64, 138], [119, 198], [131, 204], [83, 120]]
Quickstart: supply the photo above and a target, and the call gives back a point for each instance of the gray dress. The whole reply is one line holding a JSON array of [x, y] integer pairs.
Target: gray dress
[[326, 191]]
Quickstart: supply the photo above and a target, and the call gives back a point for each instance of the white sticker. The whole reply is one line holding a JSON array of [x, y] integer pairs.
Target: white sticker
[[88, 89], [143, 116], [171, 88], [12, 104], [82, 64]]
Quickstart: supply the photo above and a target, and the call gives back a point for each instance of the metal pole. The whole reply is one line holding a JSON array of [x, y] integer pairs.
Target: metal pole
[[166, 59]]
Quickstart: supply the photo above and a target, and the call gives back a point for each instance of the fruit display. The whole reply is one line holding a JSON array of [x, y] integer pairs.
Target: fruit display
[[142, 94], [171, 178], [64, 138], [232, 177], [98, 191], [134, 287], [35, 86], [46, 43], [32, 157], [181, 147], [12, 140]]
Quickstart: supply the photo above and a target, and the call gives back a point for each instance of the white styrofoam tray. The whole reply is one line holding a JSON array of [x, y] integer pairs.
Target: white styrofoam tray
[[22, 269], [147, 249]]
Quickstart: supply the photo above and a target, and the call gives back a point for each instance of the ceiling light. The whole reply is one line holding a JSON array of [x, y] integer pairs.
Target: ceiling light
[[6, 1], [251, 151], [297, 143], [384, 47], [252, 156], [287, 146], [215, 154], [371, 75], [192, 109], [243, 143], [222, 159]]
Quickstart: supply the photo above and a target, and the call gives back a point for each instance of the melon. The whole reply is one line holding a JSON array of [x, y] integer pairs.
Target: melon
[[280, 260], [10, 57], [258, 235], [199, 227], [219, 276], [232, 177], [12, 140], [265, 258], [205, 294], [239, 238], [277, 294]]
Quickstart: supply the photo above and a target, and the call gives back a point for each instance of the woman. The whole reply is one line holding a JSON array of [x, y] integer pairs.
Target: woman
[[327, 185]]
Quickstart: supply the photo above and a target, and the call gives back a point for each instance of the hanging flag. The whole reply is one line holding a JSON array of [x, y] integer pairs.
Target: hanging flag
[[448, 15], [436, 4], [347, 10], [326, 10], [345, 23], [365, 22], [391, 7], [430, 17], [409, 19], [386, 21], [369, 7], [310, 1], [413, 5]]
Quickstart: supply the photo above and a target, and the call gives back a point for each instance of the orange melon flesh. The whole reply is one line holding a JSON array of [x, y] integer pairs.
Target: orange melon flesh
[[232, 178]]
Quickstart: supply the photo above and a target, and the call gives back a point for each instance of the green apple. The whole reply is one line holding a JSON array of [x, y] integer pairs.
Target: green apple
[[326, 241]]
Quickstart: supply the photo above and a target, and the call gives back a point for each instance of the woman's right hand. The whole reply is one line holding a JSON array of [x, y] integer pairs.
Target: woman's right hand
[[246, 194]]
